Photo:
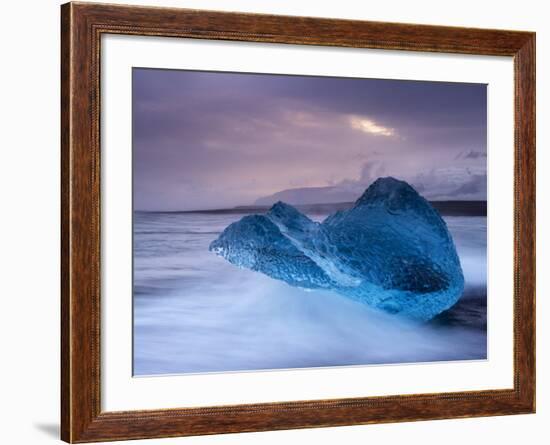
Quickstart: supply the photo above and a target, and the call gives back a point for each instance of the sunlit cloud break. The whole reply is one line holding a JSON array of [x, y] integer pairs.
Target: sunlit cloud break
[[369, 126]]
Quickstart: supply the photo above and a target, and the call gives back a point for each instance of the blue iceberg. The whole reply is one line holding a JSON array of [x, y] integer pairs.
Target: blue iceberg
[[391, 251]]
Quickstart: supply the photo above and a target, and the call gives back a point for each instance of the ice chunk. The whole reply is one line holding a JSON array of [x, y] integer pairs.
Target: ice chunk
[[391, 251], [255, 242]]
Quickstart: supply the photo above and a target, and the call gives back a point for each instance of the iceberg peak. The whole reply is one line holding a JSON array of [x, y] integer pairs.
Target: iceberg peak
[[285, 214], [389, 190]]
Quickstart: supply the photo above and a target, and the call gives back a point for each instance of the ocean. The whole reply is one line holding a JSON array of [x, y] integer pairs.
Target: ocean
[[194, 312]]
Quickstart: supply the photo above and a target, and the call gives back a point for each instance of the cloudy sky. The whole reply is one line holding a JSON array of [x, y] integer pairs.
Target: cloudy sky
[[207, 140]]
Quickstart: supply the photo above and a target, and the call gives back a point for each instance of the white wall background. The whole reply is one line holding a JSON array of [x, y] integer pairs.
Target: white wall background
[[29, 228]]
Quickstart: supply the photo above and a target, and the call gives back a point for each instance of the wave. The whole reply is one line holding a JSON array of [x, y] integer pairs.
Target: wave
[[194, 312]]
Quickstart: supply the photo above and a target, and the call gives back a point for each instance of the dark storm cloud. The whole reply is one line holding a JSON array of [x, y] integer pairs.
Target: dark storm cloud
[[220, 139]]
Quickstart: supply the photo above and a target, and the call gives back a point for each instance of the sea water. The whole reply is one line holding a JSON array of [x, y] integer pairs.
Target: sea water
[[194, 312]]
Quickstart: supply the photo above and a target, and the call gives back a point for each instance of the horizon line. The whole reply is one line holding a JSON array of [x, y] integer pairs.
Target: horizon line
[[256, 206]]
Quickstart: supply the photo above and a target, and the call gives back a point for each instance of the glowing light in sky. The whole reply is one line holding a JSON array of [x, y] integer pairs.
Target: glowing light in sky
[[369, 126]]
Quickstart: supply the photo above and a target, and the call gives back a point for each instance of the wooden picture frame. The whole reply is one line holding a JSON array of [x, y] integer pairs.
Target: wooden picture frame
[[82, 25]]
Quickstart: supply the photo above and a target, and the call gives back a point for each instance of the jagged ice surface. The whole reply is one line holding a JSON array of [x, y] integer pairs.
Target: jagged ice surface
[[391, 251]]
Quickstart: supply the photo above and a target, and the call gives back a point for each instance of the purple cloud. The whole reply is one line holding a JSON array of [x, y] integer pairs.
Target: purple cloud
[[210, 140]]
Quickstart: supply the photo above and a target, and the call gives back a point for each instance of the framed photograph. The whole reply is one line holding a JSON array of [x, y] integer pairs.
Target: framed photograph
[[274, 222]]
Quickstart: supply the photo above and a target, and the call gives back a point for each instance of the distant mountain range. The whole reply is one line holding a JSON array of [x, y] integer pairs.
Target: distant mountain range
[[471, 188], [327, 200], [308, 195]]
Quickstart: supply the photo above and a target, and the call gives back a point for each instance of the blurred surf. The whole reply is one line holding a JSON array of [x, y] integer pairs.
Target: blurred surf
[[195, 312]]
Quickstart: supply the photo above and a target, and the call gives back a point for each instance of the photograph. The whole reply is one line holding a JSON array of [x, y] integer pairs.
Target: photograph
[[279, 218], [291, 222]]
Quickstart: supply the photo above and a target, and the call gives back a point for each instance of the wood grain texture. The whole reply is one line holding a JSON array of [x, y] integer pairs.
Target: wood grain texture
[[81, 28]]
